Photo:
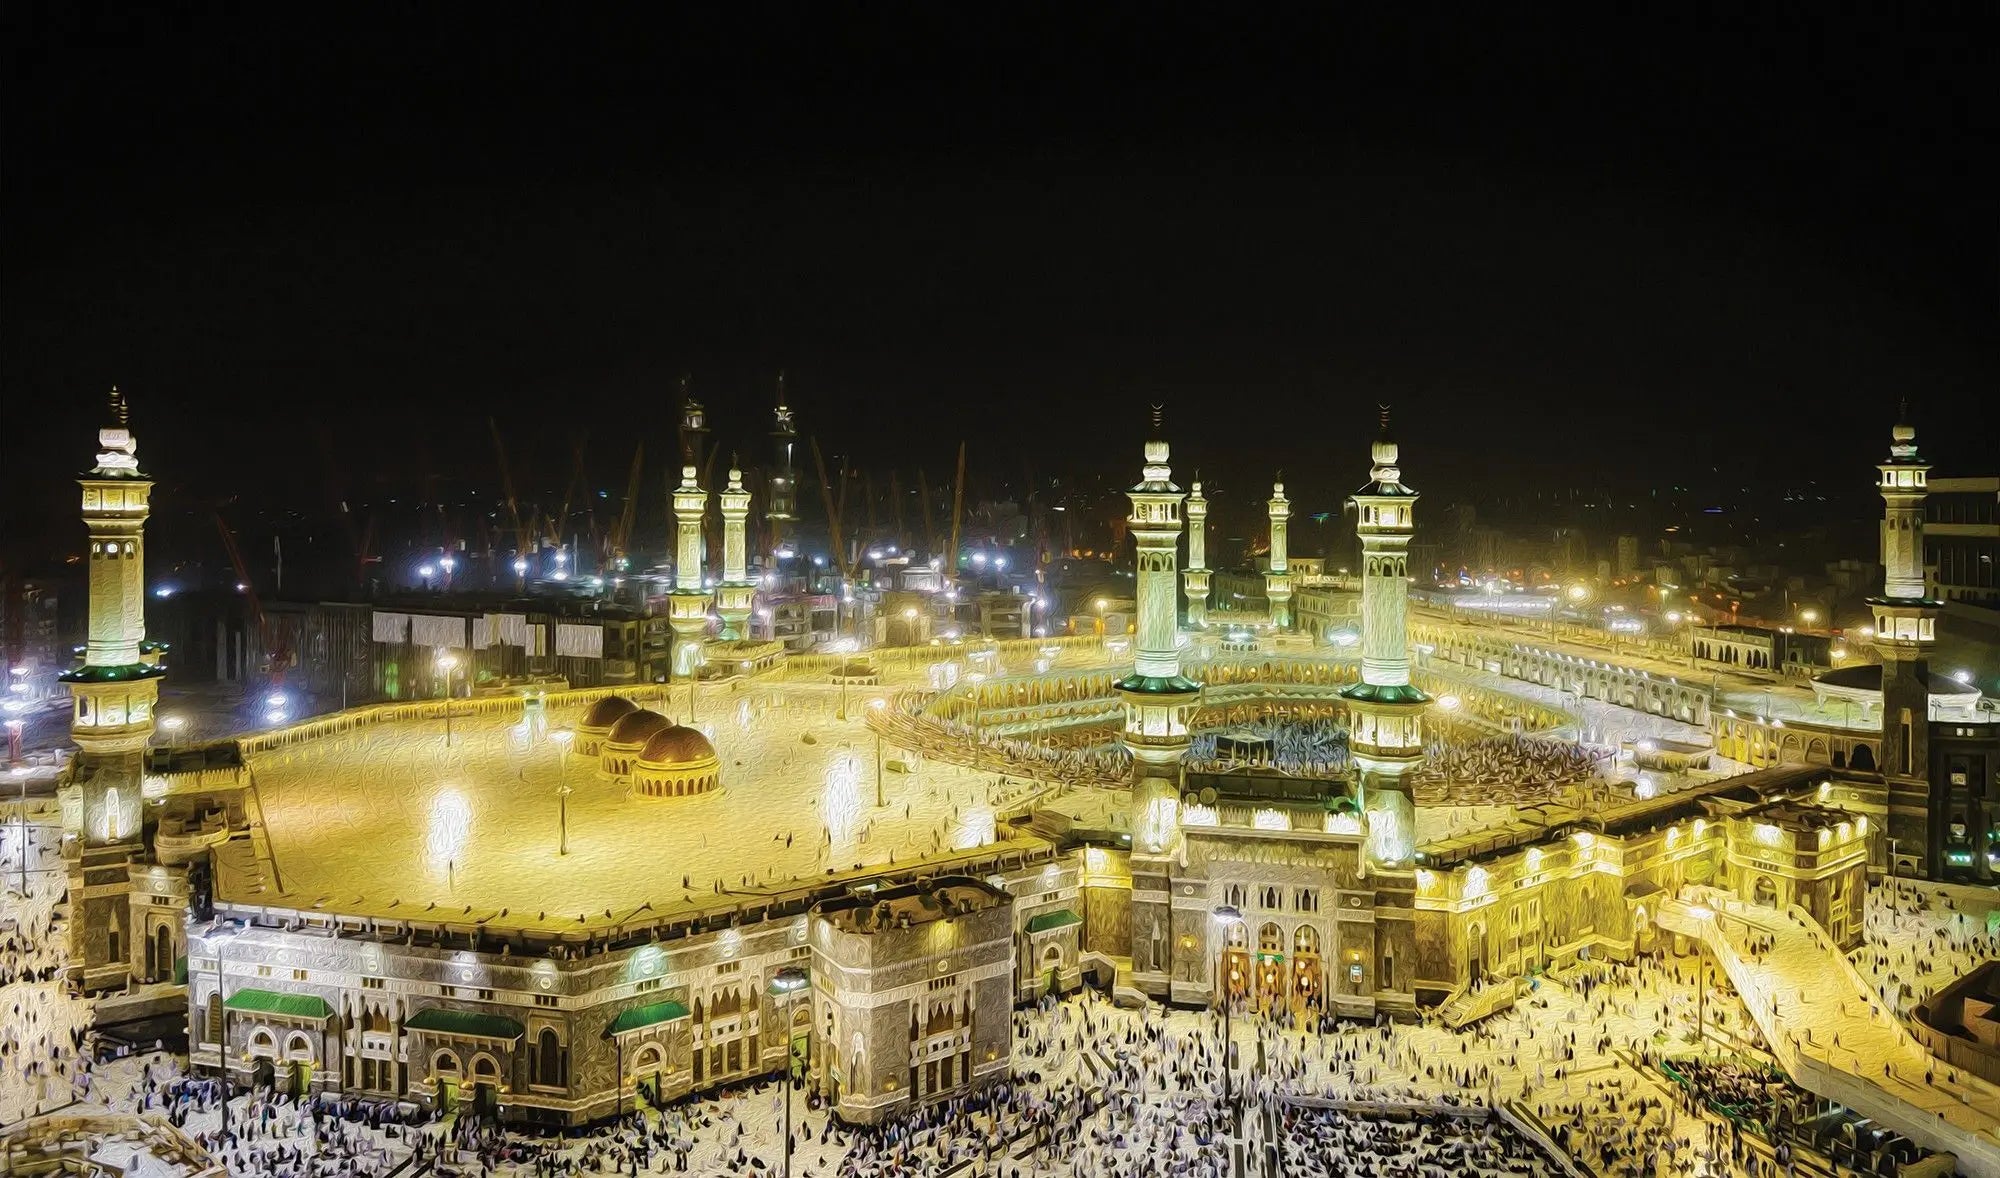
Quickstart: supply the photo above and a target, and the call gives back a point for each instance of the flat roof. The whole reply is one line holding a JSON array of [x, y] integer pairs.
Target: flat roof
[[388, 822]]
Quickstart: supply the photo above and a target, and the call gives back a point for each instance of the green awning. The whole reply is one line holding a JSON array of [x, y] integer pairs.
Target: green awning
[[1157, 684], [645, 1016], [1061, 918], [439, 1021], [272, 1002]]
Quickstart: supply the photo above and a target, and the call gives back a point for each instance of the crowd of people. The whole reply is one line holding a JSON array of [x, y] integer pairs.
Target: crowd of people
[[43, 1017], [1543, 763], [1298, 748], [1918, 938]]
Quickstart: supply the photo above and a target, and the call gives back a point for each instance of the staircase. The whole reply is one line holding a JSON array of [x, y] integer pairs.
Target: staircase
[[1803, 993]]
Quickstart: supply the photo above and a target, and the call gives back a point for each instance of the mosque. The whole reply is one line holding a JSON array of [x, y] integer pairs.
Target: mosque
[[551, 905]]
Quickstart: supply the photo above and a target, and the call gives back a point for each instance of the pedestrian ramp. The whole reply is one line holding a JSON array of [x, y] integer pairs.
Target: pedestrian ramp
[[1831, 1033], [1469, 1005]]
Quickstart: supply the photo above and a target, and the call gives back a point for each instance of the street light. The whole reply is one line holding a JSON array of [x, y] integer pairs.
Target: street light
[[1225, 916], [786, 986], [1101, 603], [562, 737], [877, 705], [445, 663]]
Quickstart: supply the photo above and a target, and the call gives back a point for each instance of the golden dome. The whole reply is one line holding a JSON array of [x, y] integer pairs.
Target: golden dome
[[635, 727], [608, 711], [677, 745]]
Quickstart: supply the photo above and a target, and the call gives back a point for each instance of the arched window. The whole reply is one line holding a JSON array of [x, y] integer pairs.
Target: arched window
[[549, 1059]]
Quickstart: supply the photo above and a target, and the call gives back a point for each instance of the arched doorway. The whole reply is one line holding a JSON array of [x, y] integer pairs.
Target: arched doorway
[[1233, 967], [485, 1084], [1863, 759], [1306, 979], [1765, 892], [445, 1072], [1475, 953], [1051, 968], [1270, 966], [647, 1065]]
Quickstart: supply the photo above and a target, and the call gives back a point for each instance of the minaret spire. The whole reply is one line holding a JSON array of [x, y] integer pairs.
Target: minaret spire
[[114, 691], [1905, 632], [1385, 711], [1159, 702], [1278, 577], [687, 605]]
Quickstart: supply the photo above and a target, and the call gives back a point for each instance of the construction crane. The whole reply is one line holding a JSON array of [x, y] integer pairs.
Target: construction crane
[[930, 524], [617, 554], [524, 532], [841, 563], [277, 646], [560, 520], [957, 518]]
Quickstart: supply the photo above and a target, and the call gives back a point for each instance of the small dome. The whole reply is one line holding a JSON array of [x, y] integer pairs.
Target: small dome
[[608, 711], [1904, 433], [677, 744], [636, 727]]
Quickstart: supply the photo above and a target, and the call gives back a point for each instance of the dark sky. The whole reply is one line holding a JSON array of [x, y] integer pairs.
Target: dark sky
[[1619, 250]]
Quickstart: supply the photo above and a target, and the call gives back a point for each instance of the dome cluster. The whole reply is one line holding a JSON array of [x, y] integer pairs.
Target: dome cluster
[[657, 757]]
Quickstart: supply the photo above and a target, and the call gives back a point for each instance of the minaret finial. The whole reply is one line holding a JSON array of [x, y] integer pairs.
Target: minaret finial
[[1385, 419], [781, 388], [119, 409], [1159, 415]]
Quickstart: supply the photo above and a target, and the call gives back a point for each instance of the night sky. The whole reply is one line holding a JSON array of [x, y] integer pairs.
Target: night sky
[[1620, 254]]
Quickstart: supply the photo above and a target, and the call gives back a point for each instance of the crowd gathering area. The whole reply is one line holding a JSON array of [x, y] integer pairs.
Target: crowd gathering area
[[1613, 1069], [1604, 1061]]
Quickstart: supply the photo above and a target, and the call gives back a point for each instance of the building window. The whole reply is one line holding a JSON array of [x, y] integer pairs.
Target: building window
[[550, 1060], [372, 983]]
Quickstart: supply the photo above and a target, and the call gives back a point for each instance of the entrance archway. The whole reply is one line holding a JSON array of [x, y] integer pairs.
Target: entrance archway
[[1475, 953], [1765, 892]]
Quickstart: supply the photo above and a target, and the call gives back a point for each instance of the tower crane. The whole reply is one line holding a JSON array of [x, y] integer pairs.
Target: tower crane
[[277, 646]]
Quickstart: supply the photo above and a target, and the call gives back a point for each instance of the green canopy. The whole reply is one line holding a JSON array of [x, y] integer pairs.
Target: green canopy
[[645, 1016], [1061, 918], [272, 1002], [471, 1023]]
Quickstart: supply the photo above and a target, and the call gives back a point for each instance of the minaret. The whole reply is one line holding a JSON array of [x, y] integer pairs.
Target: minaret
[[1905, 629], [1278, 580], [1385, 712], [733, 597], [1158, 699], [779, 507], [1196, 576], [115, 689], [1159, 703], [688, 603]]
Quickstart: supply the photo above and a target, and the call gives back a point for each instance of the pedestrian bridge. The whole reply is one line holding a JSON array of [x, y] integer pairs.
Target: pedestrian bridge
[[1804, 994]]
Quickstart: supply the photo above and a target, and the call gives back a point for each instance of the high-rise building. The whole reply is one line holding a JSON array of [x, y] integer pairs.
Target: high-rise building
[[780, 507], [1385, 709]]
